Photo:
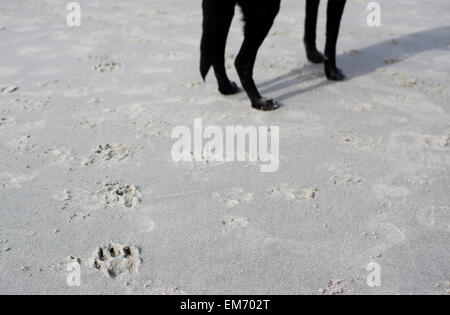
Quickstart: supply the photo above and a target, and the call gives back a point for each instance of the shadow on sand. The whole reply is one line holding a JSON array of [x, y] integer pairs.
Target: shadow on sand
[[363, 61]]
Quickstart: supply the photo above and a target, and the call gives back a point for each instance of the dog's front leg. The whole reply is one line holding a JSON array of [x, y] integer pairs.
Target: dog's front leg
[[217, 18], [334, 16], [259, 16], [312, 8]]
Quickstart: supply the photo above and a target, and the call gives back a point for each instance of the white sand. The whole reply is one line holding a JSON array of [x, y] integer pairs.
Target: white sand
[[85, 121]]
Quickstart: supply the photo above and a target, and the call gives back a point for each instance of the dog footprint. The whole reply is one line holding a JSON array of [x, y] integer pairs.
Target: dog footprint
[[107, 66], [343, 175], [345, 180], [108, 152], [435, 217], [7, 121], [235, 222], [333, 288], [115, 259], [296, 193], [234, 197], [114, 194], [4, 248]]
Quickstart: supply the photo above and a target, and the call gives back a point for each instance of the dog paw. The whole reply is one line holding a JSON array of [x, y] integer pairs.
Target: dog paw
[[114, 259], [334, 74], [315, 56], [266, 104], [230, 88], [312, 53]]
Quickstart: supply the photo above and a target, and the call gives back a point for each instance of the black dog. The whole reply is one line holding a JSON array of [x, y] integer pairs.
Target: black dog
[[259, 16]]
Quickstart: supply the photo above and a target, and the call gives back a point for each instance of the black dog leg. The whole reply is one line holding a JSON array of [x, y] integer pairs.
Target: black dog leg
[[217, 18], [335, 11], [225, 18], [312, 8], [259, 16]]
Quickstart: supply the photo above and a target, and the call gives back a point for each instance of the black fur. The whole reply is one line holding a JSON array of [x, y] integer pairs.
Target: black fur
[[259, 16], [334, 15]]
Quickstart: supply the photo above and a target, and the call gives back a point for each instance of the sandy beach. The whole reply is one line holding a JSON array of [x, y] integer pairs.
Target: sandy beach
[[87, 177]]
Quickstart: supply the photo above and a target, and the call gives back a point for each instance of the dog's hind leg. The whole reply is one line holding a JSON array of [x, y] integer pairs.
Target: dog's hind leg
[[312, 8], [225, 18], [217, 19], [259, 16], [334, 16]]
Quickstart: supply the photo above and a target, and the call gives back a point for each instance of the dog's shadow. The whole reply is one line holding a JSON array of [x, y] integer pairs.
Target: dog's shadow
[[363, 61]]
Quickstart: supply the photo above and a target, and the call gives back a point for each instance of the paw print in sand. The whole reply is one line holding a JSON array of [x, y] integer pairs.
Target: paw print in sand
[[115, 259], [234, 197], [107, 153], [107, 66], [114, 194], [7, 121], [293, 193]]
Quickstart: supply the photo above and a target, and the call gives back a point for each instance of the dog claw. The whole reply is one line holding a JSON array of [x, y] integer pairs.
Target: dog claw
[[266, 104]]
